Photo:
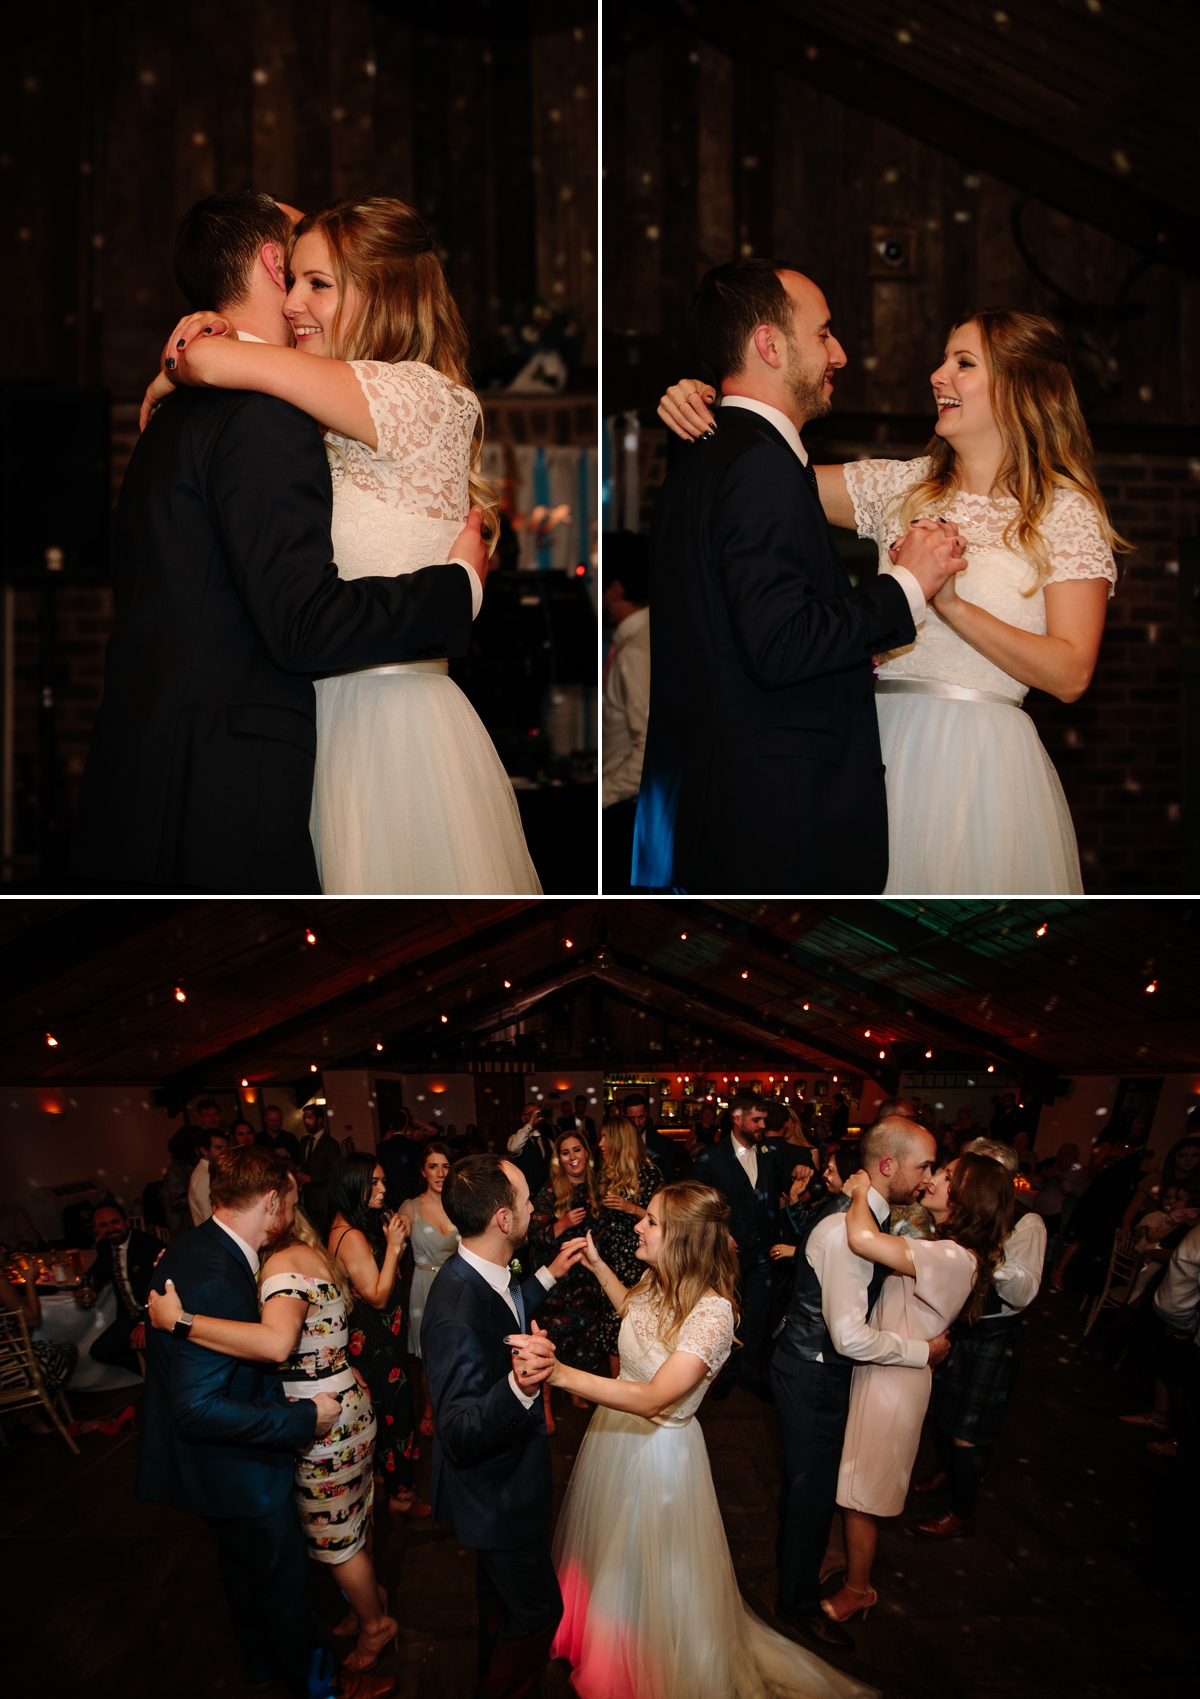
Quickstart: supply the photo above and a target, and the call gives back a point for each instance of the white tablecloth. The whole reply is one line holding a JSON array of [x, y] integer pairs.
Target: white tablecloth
[[64, 1323]]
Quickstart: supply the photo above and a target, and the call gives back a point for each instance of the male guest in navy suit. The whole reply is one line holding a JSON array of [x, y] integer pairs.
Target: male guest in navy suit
[[750, 1176], [219, 1439], [491, 1463]]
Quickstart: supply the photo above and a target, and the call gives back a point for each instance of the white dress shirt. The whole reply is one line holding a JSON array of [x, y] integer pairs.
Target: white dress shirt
[[845, 1279], [248, 1251], [455, 560], [626, 707], [1020, 1274], [1177, 1301], [498, 1276], [747, 1155], [913, 592], [199, 1201]]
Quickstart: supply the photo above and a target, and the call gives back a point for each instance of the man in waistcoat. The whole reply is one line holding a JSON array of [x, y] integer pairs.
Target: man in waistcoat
[[824, 1333]]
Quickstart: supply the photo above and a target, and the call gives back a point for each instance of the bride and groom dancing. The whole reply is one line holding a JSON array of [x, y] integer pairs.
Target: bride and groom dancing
[[273, 721], [996, 564]]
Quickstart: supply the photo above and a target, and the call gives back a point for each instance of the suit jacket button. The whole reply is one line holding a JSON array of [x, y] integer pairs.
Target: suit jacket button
[[882, 769]]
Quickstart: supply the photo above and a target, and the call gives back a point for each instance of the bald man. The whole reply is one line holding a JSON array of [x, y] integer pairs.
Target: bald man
[[825, 1332]]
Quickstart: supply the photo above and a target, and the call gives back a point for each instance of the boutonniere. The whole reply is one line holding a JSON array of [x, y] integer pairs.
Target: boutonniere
[[514, 1266]]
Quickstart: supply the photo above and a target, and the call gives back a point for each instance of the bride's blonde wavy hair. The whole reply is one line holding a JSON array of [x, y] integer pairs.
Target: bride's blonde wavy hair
[[384, 249], [696, 1256], [1046, 442]]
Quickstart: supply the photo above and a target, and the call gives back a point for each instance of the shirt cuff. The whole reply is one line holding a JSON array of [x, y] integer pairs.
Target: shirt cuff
[[546, 1278], [477, 587], [912, 590], [916, 1353], [528, 1399]]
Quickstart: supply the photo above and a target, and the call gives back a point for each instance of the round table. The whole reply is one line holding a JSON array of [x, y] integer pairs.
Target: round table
[[64, 1323]]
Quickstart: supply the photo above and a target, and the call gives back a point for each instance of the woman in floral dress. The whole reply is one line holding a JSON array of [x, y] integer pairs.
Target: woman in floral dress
[[568, 1207], [628, 1181], [369, 1249]]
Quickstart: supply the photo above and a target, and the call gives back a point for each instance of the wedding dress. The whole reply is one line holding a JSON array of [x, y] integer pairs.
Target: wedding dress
[[651, 1607], [974, 802], [409, 794]]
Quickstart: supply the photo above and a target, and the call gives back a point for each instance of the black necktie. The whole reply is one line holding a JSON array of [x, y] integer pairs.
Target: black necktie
[[810, 478]]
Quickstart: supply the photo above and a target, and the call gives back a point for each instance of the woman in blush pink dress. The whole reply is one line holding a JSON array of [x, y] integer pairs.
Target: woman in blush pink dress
[[972, 1201]]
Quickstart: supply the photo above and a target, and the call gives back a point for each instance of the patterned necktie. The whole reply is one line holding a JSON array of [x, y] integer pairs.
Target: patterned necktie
[[121, 1282], [514, 1292], [810, 478]]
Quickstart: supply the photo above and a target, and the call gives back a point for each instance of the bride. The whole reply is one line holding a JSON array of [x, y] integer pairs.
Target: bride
[[651, 1607], [974, 802], [409, 796]]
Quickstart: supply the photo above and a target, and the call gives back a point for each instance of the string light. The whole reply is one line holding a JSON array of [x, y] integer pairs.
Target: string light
[[569, 943], [51, 1041], [1043, 929], [445, 1020], [508, 984], [929, 1055], [245, 1082], [746, 975], [991, 1067], [379, 1047], [1153, 985], [180, 994], [882, 1056], [310, 936], [683, 934], [806, 1005], [312, 1067], [867, 1033]]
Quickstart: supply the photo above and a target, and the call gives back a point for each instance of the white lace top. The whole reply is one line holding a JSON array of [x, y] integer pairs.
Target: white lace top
[[995, 575], [399, 506], [707, 1333]]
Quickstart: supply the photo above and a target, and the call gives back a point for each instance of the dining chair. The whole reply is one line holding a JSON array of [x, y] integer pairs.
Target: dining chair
[[21, 1383]]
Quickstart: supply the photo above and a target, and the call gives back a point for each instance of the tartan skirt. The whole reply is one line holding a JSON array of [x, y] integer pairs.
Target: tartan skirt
[[973, 1387]]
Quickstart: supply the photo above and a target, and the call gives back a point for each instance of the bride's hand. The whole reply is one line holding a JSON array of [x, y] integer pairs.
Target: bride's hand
[[188, 329], [947, 597], [858, 1185], [684, 409], [164, 1308], [153, 399]]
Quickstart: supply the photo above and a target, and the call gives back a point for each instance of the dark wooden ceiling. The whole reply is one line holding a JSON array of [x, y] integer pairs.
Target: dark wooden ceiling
[[803, 982]]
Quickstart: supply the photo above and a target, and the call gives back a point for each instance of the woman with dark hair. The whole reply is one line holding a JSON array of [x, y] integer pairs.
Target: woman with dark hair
[[434, 1239], [973, 1203], [369, 1245], [842, 1161], [628, 1180], [568, 1207]]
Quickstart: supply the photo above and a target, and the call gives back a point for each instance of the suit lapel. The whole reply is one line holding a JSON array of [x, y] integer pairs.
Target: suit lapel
[[222, 1238], [484, 1290]]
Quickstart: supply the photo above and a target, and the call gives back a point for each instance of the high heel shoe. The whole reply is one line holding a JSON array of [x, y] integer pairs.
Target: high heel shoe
[[348, 1626], [863, 1597], [371, 1647], [108, 1425]]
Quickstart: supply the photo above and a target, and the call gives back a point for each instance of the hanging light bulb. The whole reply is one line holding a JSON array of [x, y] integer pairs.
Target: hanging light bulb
[[379, 1047], [683, 934], [310, 936], [1043, 929], [569, 943], [867, 1033], [180, 994], [991, 1067], [508, 984], [882, 1055], [51, 1041], [806, 1005], [746, 975], [929, 1055], [245, 1082], [312, 1067], [1153, 985], [445, 1020]]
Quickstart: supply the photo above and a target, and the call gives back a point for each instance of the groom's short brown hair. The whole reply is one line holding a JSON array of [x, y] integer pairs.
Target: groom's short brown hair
[[218, 243], [475, 1189], [731, 302]]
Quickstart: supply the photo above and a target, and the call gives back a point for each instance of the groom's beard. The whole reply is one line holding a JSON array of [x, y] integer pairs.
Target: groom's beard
[[808, 392]]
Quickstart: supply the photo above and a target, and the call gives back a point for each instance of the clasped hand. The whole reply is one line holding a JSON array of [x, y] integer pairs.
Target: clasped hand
[[164, 1308], [933, 552], [173, 365], [568, 1256], [534, 1356]]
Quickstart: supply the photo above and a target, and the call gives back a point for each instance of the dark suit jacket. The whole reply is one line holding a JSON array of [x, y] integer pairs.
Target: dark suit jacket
[[199, 776], [533, 1158], [318, 1163], [139, 1265], [491, 1464], [400, 1159], [762, 684], [754, 1216], [218, 1436]]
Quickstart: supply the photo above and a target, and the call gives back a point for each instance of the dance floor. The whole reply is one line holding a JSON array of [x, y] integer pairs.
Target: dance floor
[[111, 1598]]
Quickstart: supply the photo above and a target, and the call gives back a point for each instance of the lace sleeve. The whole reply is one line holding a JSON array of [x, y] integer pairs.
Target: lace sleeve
[[708, 1331], [875, 488], [1077, 545], [423, 425]]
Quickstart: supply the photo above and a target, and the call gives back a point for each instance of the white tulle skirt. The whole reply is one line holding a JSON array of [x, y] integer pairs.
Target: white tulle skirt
[[410, 796], [974, 803], [651, 1602]]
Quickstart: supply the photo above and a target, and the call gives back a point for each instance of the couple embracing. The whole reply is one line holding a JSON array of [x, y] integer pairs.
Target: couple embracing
[[301, 544], [996, 565], [638, 1592]]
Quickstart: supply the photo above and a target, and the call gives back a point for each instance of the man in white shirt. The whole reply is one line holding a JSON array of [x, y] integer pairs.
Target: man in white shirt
[[626, 705], [973, 1388], [529, 1116], [492, 1481], [1173, 1549], [210, 1146], [823, 1335]]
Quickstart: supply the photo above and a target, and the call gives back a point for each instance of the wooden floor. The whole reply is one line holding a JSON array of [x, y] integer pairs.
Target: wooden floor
[[107, 1597]]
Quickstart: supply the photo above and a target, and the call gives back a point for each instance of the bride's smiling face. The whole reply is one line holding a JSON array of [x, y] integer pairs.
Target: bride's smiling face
[[312, 300], [649, 1234], [961, 387]]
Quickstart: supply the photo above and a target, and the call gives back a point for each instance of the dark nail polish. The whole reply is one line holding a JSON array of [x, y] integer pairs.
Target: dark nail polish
[[181, 342], [208, 330], [170, 362]]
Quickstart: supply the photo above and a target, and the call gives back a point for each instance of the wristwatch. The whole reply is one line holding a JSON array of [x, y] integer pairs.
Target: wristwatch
[[183, 1326]]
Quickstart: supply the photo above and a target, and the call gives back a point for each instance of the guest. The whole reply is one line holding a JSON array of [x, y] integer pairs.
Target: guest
[[304, 1303], [783, 1126], [580, 1121], [1008, 1119], [56, 1363], [529, 1115], [219, 1438], [399, 1153], [492, 1482], [125, 1259], [1180, 1168], [843, 1160], [242, 1134], [318, 1157], [962, 1127], [1177, 1307], [369, 1246], [1088, 1241], [891, 1107], [662, 1151], [626, 707], [706, 1131], [17, 1232], [277, 1139], [628, 1180], [750, 1176], [434, 1240], [568, 1206], [824, 1334], [208, 1116], [973, 1388], [209, 1145], [839, 1116], [973, 1203], [533, 1158], [181, 1147]]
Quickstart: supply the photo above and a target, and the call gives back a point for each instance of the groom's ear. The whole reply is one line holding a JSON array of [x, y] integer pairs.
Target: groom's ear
[[272, 256]]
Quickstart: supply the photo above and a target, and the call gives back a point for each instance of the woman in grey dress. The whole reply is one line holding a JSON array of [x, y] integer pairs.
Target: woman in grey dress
[[434, 1239]]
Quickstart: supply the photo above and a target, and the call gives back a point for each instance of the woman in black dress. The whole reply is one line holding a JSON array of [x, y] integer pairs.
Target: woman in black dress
[[369, 1247], [568, 1207], [627, 1183]]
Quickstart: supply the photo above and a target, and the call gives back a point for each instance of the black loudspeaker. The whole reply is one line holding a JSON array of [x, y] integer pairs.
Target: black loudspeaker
[[54, 484]]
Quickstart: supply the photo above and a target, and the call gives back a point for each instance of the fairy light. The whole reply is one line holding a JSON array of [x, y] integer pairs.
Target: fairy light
[[310, 936], [867, 1033], [1153, 985], [1043, 929], [508, 984], [312, 1067], [929, 1055], [991, 1067], [569, 943], [51, 1041], [245, 1082], [683, 934], [806, 1005], [379, 1047], [180, 994], [746, 974], [883, 1055], [445, 1020]]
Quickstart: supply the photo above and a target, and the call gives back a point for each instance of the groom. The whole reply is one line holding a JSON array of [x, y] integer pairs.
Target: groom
[[228, 603], [491, 1462], [762, 683], [825, 1332]]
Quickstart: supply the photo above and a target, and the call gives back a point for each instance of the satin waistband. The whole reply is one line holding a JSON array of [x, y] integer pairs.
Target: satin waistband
[[429, 1267], [935, 687], [442, 667]]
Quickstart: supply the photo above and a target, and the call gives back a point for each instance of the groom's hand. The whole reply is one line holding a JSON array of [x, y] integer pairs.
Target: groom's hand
[[567, 1257], [534, 1357], [470, 546], [328, 1410], [932, 551], [939, 1350]]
